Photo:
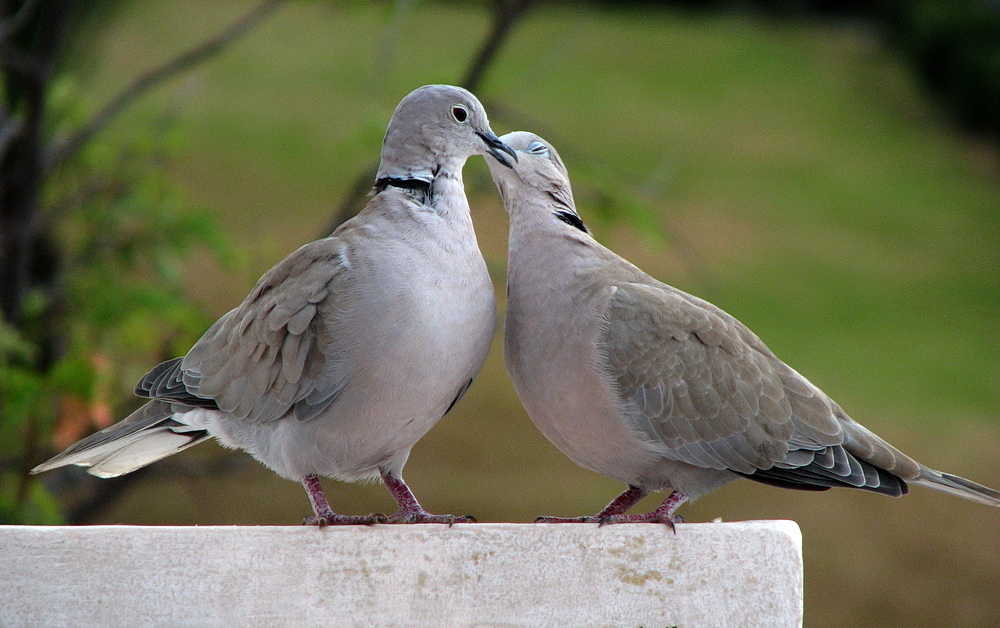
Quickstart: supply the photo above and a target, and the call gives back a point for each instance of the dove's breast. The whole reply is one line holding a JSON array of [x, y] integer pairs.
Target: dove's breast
[[553, 324]]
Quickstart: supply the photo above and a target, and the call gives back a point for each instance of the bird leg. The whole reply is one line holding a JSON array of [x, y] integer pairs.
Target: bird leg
[[663, 514], [617, 507], [410, 510], [324, 516]]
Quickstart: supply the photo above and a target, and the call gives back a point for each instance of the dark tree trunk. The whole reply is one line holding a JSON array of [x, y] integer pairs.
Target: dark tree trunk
[[28, 51]]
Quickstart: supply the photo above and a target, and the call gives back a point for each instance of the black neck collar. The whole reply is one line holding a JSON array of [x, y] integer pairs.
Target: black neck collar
[[418, 185], [571, 218]]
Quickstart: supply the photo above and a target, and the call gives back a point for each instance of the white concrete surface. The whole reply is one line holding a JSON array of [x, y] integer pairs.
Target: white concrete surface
[[708, 574]]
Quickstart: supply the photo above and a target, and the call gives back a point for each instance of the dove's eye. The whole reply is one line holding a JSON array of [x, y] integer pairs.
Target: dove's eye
[[460, 113], [537, 148]]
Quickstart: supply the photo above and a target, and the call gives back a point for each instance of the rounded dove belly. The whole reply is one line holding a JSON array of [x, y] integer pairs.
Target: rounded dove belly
[[403, 377]]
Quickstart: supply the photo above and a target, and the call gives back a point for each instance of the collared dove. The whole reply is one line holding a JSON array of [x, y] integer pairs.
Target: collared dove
[[639, 381], [350, 349]]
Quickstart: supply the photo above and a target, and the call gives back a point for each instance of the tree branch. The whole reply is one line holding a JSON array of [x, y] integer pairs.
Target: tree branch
[[16, 22], [9, 130], [157, 76], [508, 14], [349, 206]]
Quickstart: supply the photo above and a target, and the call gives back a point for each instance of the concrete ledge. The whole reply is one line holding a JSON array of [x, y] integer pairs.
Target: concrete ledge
[[708, 574]]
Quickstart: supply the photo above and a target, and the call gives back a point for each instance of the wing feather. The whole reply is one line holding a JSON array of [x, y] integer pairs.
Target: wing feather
[[703, 389], [275, 353]]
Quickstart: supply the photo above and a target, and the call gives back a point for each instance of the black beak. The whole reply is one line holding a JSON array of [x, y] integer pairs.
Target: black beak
[[495, 146]]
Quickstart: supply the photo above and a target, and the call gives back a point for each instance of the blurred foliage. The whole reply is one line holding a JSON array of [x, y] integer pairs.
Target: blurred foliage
[[954, 45], [122, 231]]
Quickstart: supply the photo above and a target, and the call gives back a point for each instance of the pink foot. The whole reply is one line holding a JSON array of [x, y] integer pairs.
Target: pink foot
[[618, 506], [324, 516], [410, 510], [423, 516], [567, 519], [664, 514], [331, 518]]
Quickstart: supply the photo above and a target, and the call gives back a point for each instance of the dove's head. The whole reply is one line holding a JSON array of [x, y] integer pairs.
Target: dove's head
[[435, 129], [538, 174]]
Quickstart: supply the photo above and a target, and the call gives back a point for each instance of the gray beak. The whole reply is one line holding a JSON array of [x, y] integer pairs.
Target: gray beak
[[495, 146]]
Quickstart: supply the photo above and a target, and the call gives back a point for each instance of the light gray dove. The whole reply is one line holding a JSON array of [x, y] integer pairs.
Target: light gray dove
[[656, 388], [350, 349]]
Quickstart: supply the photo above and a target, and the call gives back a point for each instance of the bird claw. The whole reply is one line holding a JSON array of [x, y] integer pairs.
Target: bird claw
[[567, 520], [649, 517], [426, 517], [332, 518]]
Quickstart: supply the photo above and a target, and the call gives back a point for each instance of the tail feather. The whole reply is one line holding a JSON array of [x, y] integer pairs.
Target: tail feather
[[150, 446], [145, 436], [957, 486]]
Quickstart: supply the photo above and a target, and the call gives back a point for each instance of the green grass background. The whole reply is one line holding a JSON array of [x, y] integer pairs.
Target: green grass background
[[795, 175]]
